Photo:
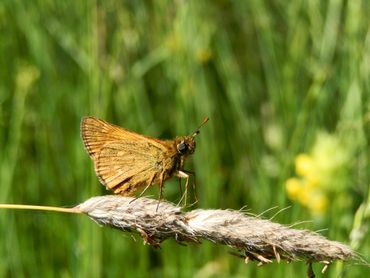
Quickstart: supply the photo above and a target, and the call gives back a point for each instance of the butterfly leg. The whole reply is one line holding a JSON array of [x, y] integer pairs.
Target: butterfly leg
[[186, 175], [180, 187], [145, 189], [161, 177], [194, 188], [191, 173]]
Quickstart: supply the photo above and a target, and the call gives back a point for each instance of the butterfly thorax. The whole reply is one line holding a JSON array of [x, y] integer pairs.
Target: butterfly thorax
[[179, 150]]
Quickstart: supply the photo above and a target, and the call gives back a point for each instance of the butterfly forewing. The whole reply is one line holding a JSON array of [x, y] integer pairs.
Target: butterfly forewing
[[96, 133]]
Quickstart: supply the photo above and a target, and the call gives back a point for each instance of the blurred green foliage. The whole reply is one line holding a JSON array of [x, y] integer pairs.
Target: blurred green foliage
[[271, 75]]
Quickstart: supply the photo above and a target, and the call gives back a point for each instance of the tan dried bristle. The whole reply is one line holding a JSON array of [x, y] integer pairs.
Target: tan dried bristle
[[258, 239], [254, 238]]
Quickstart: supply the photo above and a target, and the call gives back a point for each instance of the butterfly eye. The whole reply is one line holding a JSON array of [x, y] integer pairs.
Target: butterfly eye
[[182, 148]]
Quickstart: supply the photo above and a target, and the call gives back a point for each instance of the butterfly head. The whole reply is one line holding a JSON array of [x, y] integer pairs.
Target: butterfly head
[[185, 145]]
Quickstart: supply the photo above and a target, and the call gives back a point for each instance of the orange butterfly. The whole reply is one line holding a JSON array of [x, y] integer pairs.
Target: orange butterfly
[[125, 160]]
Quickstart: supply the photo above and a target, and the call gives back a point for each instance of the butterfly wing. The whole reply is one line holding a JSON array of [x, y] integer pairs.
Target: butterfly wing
[[123, 166], [96, 133], [123, 160]]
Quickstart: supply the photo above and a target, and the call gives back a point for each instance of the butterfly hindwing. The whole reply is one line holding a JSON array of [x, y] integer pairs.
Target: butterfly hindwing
[[123, 168]]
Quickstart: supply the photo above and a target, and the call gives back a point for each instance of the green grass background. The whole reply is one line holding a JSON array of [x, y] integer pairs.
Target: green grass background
[[269, 74]]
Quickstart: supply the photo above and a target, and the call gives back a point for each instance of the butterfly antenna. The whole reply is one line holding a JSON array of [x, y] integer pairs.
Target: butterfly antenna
[[196, 132]]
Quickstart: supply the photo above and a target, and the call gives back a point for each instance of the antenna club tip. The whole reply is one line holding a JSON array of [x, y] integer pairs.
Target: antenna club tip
[[196, 132]]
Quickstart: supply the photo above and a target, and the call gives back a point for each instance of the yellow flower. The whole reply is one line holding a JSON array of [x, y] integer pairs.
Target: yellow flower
[[305, 194], [304, 164], [319, 203], [332, 160], [320, 172], [293, 186]]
